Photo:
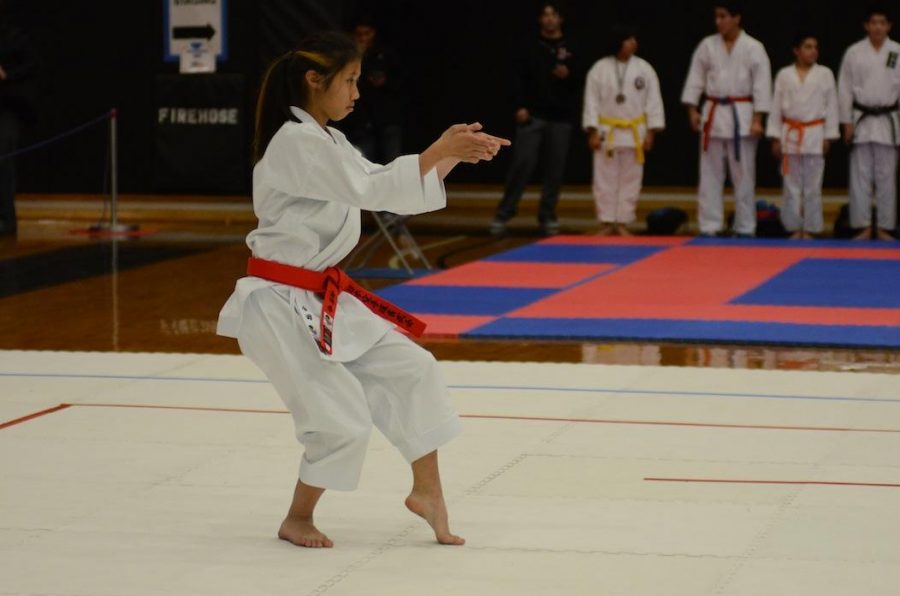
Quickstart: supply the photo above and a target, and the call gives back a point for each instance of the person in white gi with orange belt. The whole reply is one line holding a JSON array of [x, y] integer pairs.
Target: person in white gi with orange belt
[[802, 123], [328, 346], [623, 110], [869, 97], [732, 70]]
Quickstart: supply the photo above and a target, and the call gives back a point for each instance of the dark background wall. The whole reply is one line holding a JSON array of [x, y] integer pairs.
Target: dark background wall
[[104, 53]]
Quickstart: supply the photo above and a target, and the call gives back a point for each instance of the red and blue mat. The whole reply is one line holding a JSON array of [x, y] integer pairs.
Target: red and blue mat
[[819, 292]]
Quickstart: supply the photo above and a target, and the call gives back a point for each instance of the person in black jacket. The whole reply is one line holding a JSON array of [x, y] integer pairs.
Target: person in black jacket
[[16, 69], [546, 103], [376, 125]]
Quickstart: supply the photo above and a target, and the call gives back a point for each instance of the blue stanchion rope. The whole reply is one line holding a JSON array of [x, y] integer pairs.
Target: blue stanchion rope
[[51, 140]]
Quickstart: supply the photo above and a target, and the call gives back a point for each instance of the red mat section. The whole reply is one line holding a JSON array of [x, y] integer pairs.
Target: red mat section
[[513, 275], [452, 325], [694, 282]]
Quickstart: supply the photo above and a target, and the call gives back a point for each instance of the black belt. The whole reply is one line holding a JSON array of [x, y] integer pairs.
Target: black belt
[[877, 111]]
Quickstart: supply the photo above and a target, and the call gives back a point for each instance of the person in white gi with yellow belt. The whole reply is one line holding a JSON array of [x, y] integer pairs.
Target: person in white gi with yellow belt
[[733, 71], [328, 346], [869, 97], [623, 110], [802, 124]]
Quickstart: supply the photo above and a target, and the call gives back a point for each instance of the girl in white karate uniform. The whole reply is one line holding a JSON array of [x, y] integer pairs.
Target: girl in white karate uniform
[[802, 124], [339, 367], [623, 110]]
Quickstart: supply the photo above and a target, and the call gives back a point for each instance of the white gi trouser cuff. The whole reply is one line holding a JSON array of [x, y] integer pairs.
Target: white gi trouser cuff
[[341, 469], [416, 447]]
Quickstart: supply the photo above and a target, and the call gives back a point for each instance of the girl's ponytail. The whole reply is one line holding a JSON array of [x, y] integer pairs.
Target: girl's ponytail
[[284, 83]]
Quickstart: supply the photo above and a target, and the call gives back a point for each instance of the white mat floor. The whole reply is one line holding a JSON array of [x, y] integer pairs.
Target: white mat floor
[[573, 479]]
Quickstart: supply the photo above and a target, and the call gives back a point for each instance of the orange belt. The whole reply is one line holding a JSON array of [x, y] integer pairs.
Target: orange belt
[[330, 283], [800, 127], [725, 101]]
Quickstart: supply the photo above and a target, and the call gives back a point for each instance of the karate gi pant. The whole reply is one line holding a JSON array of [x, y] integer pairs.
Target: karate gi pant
[[536, 137], [617, 185], [873, 167], [396, 386], [712, 183], [802, 193]]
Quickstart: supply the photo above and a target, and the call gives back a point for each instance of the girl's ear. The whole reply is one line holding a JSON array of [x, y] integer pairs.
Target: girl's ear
[[313, 79]]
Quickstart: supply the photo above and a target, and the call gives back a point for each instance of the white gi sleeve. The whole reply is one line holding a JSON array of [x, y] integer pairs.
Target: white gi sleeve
[[695, 84], [761, 71], [774, 125], [832, 128], [845, 89], [656, 113], [590, 114], [304, 164]]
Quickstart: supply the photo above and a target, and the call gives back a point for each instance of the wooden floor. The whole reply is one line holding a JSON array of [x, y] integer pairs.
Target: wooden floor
[[63, 290]]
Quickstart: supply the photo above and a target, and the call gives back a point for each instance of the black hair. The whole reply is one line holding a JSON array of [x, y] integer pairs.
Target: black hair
[[541, 6], [878, 9], [801, 36], [284, 84], [363, 20], [618, 34], [734, 7]]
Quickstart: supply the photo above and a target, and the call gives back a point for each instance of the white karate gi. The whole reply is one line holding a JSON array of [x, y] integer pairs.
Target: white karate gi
[[744, 72], [308, 190], [618, 174], [803, 101], [871, 78]]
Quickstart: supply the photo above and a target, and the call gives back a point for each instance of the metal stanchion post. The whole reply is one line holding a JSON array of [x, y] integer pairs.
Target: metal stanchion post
[[114, 226]]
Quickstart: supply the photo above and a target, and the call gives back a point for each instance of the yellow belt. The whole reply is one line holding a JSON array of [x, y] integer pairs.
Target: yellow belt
[[634, 125]]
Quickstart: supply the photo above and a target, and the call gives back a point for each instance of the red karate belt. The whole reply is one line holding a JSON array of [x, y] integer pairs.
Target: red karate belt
[[725, 101], [330, 283], [800, 127]]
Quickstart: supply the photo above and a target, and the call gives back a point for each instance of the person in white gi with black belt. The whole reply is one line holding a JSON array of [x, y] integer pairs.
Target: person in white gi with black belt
[[733, 71], [802, 124], [329, 347], [868, 94]]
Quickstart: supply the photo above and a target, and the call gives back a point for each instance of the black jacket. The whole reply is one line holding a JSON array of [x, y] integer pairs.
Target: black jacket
[[541, 92], [17, 91], [378, 105]]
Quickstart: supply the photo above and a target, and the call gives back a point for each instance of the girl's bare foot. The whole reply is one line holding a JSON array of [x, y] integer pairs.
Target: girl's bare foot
[[605, 229], [885, 235], [622, 230], [302, 532], [297, 527], [433, 510], [865, 234]]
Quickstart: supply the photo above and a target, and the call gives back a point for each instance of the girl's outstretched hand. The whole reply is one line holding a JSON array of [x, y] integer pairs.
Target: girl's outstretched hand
[[466, 142]]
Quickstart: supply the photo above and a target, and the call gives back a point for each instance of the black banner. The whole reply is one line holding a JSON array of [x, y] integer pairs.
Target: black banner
[[283, 23], [200, 130]]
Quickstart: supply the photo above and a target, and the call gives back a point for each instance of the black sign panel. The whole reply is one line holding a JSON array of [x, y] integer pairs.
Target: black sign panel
[[200, 130]]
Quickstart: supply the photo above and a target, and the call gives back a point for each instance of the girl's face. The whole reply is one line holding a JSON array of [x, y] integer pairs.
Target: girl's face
[[629, 47], [336, 101], [807, 53]]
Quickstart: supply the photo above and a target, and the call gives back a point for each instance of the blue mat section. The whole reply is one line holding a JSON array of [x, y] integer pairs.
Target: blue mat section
[[851, 283], [692, 331], [451, 300], [577, 253]]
